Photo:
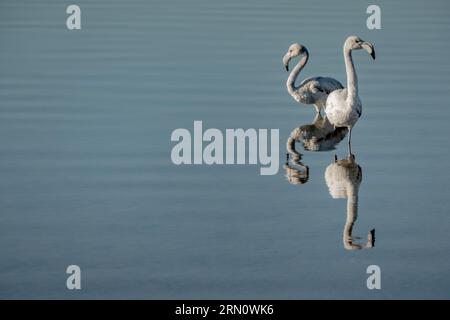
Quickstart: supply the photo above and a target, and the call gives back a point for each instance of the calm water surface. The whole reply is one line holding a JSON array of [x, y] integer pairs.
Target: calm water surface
[[86, 175]]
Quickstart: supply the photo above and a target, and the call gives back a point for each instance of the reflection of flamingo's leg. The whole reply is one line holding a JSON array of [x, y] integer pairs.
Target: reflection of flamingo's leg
[[350, 141], [317, 118], [318, 107]]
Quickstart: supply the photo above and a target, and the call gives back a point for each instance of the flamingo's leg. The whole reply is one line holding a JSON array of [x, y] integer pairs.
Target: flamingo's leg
[[350, 141]]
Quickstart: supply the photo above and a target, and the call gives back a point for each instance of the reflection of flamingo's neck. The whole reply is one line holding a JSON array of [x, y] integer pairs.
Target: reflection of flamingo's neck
[[290, 145], [296, 171], [290, 83], [352, 215]]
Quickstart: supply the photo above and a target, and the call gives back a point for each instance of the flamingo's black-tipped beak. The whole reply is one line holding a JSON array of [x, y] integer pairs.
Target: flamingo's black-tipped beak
[[369, 48], [286, 60]]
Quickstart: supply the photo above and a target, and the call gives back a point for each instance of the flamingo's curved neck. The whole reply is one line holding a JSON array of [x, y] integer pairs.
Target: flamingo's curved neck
[[290, 83], [352, 78]]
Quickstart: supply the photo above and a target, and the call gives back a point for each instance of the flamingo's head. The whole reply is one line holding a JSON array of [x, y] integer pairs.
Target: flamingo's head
[[294, 50], [356, 43]]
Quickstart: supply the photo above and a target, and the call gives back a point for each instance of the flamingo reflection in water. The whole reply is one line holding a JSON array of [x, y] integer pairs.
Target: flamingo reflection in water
[[343, 178], [319, 135]]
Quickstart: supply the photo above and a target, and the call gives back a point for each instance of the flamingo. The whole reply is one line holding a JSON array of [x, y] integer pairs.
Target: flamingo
[[343, 106], [311, 90]]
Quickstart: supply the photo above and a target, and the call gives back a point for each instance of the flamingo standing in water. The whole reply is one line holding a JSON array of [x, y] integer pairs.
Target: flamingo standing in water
[[313, 90], [343, 106]]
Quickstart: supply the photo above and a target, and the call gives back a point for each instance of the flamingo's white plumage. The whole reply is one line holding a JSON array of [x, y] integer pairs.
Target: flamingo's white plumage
[[311, 90]]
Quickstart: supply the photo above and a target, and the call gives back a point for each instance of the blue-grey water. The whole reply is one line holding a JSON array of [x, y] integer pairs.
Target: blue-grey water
[[87, 179]]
